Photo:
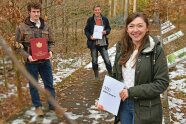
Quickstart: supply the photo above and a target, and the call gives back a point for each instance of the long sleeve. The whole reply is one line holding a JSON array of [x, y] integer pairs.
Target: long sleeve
[[158, 85], [51, 40], [18, 44], [87, 29]]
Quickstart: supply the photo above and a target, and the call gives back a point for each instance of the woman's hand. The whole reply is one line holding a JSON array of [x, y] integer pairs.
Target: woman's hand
[[100, 107], [124, 94]]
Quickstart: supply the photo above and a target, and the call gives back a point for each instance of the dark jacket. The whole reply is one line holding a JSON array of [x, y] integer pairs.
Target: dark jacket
[[89, 29], [151, 79], [28, 30]]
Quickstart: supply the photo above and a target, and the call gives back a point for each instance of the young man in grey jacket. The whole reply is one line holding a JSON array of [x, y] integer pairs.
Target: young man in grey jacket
[[32, 28]]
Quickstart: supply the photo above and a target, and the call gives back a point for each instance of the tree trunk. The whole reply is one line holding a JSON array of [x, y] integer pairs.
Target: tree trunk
[[122, 8], [4, 73], [115, 8], [126, 9], [134, 6]]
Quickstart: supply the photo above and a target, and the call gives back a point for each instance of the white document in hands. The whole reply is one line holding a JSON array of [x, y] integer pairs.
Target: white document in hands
[[98, 32], [109, 96]]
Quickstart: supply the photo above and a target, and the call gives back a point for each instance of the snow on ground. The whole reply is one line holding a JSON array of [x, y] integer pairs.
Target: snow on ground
[[65, 67], [62, 72], [178, 86], [71, 65]]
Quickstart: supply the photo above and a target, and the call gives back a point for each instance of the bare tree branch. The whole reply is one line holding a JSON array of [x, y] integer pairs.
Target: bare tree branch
[[25, 73]]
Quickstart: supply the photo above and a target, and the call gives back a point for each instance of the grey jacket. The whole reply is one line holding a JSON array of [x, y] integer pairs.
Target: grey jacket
[[151, 79]]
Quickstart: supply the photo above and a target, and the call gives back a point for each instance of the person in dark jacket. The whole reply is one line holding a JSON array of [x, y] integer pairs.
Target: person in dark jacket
[[141, 64], [35, 27], [96, 45]]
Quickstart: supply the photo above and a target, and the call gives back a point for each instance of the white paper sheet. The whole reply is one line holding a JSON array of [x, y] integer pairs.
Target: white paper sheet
[[97, 34], [109, 96]]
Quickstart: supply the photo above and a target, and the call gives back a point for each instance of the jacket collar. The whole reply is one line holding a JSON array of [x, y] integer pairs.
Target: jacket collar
[[149, 46], [32, 24], [101, 16]]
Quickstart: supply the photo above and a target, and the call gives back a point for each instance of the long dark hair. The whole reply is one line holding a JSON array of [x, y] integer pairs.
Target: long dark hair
[[126, 41]]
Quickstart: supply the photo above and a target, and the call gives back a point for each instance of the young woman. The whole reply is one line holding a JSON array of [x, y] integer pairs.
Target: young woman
[[141, 64]]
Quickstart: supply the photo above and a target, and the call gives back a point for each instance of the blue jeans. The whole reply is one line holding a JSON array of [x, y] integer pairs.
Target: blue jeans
[[104, 53], [126, 112], [45, 71]]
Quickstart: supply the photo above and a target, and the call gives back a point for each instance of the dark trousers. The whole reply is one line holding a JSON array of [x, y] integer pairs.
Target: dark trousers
[[104, 53], [45, 71]]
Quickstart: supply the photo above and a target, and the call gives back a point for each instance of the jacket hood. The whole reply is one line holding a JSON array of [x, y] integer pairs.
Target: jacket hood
[[150, 45]]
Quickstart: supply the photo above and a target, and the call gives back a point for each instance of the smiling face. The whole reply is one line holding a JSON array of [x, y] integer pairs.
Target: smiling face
[[137, 29], [34, 14], [97, 11]]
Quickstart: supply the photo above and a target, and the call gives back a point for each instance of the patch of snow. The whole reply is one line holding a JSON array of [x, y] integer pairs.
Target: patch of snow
[[18, 121], [178, 85], [46, 121], [33, 119], [78, 104], [73, 116]]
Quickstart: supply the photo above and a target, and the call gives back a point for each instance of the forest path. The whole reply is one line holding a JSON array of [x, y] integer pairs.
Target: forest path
[[77, 93]]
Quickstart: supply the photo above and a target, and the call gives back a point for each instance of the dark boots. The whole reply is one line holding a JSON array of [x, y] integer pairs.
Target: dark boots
[[96, 73]]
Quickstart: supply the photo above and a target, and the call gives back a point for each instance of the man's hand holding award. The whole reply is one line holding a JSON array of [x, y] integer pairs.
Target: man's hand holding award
[[39, 48]]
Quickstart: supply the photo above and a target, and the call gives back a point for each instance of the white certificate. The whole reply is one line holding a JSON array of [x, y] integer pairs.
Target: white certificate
[[109, 96], [97, 34]]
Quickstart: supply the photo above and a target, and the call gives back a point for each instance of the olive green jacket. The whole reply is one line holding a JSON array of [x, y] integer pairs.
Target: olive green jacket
[[151, 79]]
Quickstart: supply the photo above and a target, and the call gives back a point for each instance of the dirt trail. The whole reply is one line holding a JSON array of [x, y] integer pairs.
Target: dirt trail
[[77, 93]]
